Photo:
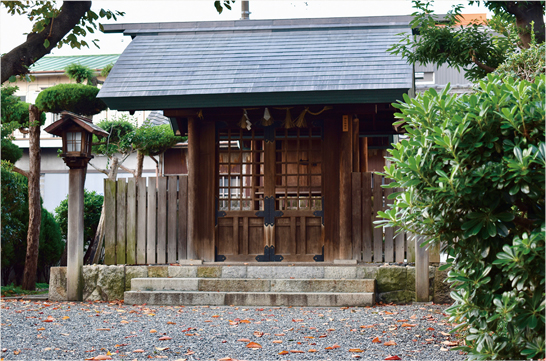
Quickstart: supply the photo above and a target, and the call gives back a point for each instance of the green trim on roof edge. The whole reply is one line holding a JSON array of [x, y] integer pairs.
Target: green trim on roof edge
[[255, 99]]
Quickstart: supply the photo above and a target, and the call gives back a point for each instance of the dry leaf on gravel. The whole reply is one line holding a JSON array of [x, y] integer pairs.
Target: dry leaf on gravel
[[389, 343]]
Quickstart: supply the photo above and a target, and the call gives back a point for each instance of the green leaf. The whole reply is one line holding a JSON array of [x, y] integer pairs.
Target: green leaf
[[46, 43]]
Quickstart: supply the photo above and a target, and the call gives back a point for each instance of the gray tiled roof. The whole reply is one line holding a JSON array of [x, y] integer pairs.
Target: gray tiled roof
[[197, 67]]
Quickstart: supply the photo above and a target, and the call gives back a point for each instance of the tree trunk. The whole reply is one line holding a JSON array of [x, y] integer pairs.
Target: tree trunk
[[34, 206], [96, 245], [140, 164], [527, 12], [19, 59]]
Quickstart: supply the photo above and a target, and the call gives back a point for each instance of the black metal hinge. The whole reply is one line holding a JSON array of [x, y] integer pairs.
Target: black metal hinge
[[319, 257], [269, 213], [269, 255], [218, 257]]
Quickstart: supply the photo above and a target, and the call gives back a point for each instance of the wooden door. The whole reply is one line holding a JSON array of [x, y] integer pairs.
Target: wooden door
[[269, 194]]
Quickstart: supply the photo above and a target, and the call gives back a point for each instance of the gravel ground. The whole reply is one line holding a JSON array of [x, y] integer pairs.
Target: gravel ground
[[41, 330]]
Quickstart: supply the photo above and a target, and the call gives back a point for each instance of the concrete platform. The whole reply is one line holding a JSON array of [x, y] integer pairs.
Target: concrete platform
[[314, 299]]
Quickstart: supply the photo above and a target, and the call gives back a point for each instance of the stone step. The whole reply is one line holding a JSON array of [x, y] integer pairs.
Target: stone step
[[299, 299], [253, 285]]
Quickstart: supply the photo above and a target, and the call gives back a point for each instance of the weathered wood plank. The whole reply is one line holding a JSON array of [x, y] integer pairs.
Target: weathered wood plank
[[131, 221], [330, 185], [171, 220], [399, 241], [152, 222], [121, 220], [434, 253], [377, 206], [421, 271], [110, 222], [389, 231], [182, 216], [235, 247], [410, 247], [295, 247], [367, 228], [356, 185], [303, 235], [161, 220], [207, 180], [141, 224]]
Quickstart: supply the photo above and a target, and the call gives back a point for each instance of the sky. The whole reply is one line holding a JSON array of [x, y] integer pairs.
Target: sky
[[12, 28]]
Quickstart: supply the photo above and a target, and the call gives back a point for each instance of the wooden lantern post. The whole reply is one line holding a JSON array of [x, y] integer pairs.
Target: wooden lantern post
[[76, 132]]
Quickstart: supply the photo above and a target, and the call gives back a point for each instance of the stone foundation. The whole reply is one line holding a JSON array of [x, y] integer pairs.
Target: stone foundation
[[393, 283]]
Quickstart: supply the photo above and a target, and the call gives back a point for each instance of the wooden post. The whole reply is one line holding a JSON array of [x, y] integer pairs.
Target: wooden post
[[74, 270], [193, 181], [421, 270], [201, 179], [330, 186], [109, 222], [345, 169]]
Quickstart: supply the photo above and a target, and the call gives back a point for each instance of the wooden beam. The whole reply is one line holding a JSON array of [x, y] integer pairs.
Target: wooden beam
[[345, 199], [330, 184], [193, 183]]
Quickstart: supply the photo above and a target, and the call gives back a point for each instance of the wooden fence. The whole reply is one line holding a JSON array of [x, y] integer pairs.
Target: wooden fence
[[145, 224], [147, 220], [372, 244]]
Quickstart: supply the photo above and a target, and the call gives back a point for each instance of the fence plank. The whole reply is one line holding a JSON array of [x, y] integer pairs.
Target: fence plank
[[121, 220], [171, 224], [434, 253], [161, 220], [410, 247], [141, 224], [182, 216], [399, 241], [377, 206], [367, 217], [109, 222], [152, 219], [356, 185], [131, 221], [389, 231]]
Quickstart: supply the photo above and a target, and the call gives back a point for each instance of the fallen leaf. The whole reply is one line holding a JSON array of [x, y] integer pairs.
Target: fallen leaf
[[277, 341], [445, 333], [65, 334], [41, 329], [310, 337], [355, 350], [312, 350], [393, 358], [401, 320], [366, 326], [103, 329], [376, 340], [243, 340], [297, 320], [449, 343], [66, 318], [258, 333], [297, 351], [153, 331], [444, 349], [16, 352], [430, 329], [138, 351], [408, 325], [172, 323], [355, 356], [277, 334], [165, 338], [253, 345], [389, 343], [429, 339], [161, 348], [102, 357], [121, 345], [413, 317], [283, 352]]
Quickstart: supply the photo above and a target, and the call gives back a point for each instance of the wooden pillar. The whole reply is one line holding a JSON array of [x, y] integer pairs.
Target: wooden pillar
[[345, 196], [193, 182], [421, 270], [363, 154], [201, 180], [330, 184], [74, 271]]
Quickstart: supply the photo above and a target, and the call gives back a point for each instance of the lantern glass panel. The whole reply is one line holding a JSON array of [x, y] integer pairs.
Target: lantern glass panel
[[73, 141]]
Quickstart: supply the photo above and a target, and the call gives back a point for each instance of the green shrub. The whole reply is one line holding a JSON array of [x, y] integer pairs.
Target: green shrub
[[76, 98], [473, 173], [92, 207], [79, 73], [121, 132], [154, 140], [15, 225]]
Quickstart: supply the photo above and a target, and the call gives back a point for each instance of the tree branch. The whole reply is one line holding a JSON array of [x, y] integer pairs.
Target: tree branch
[[100, 170], [128, 170], [19, 59], [20, 171], [481, 65]]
